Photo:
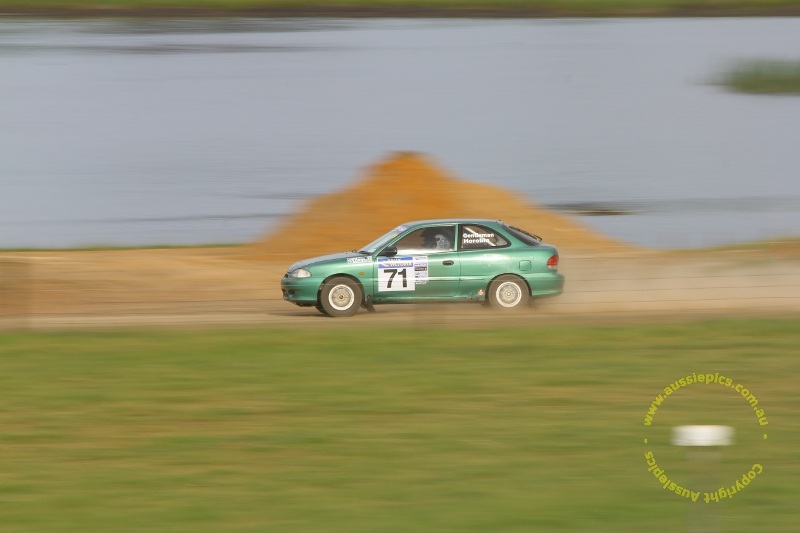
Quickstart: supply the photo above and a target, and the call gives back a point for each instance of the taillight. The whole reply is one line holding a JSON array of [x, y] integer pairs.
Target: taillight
[[552, 263]]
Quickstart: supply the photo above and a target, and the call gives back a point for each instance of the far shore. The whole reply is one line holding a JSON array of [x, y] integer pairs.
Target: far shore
[[382, 9]]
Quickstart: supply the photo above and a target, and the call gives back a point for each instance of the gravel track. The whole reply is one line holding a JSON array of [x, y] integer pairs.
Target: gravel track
[[227, 287]]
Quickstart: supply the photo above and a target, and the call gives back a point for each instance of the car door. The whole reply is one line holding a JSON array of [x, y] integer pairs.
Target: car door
[[484, 255], [425, 267]]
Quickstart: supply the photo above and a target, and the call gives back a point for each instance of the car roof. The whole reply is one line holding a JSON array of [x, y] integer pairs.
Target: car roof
[[452, 221]]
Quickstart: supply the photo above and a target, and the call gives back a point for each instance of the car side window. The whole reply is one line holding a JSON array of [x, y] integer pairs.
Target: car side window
[[427, 240], [477, 237]]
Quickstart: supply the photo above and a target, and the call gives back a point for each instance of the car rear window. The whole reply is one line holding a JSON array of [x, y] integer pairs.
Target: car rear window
[[528, 238]]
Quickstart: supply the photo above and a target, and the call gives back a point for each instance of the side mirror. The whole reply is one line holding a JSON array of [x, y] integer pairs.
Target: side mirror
[[389, 251]]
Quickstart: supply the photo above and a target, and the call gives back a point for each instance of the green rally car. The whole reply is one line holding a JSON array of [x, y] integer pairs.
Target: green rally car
[[444, 260]]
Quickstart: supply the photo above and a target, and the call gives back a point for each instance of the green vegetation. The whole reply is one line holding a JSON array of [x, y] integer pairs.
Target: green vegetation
[[409, 7], [337, 428], [765, 77]]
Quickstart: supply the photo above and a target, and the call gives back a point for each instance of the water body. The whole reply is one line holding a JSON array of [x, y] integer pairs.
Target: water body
[[200, 131]]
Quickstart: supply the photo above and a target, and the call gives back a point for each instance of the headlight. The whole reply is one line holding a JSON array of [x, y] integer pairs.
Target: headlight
[[300, 273]]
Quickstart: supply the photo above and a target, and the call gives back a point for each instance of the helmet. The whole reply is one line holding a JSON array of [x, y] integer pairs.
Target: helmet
[[435, 239]]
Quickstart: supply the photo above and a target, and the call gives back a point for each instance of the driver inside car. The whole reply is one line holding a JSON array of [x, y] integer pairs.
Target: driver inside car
[[436, 239]]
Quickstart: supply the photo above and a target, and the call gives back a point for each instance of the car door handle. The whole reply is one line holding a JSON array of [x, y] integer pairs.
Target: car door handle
[[447, 263]]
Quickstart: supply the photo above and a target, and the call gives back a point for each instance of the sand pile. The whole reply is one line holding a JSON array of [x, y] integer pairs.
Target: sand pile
[[409, 186]]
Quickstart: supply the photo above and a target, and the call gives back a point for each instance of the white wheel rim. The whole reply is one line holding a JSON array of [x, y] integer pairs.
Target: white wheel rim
[[508, 294], [341, 297]]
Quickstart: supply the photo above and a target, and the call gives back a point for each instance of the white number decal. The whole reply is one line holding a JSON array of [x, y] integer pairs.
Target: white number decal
[[393, 272], [396, 274]]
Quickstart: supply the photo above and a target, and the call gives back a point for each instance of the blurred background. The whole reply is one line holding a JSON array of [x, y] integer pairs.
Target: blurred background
[[198, 131], [187, 396]]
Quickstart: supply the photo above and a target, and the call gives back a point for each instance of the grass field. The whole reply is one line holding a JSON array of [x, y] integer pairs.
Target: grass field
[[337, 429]]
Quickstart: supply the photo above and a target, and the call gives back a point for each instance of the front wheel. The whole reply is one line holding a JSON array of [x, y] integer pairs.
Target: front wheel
[[340, 297], [508, 292]]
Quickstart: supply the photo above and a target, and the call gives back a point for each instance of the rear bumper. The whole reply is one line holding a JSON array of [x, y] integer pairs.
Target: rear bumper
[[546, 285]]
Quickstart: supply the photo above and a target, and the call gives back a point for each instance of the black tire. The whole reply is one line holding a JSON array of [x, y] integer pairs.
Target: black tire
[[508, 293], [340, 297]]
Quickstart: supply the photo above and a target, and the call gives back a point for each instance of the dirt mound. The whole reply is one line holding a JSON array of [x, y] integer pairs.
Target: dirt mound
[[405, 187]]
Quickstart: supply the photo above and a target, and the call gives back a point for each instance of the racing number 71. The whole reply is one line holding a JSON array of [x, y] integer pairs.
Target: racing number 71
[[394, 272]]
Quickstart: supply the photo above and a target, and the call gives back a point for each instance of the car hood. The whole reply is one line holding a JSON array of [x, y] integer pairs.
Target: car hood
[[344, 256]]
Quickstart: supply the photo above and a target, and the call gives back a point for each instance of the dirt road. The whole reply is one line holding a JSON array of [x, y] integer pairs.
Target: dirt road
[[227, 286]]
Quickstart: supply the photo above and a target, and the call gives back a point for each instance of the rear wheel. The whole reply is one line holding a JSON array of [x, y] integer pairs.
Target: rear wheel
[[508, 292], [340, 297]]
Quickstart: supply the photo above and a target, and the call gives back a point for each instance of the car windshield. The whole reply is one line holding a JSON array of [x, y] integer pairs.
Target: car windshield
[[381, 241]]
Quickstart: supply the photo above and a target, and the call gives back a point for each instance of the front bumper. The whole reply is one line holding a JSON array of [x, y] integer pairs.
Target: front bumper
[[300, 291]]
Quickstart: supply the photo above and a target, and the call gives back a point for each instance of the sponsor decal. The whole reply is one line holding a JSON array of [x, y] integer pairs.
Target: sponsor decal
[[478, 238]]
